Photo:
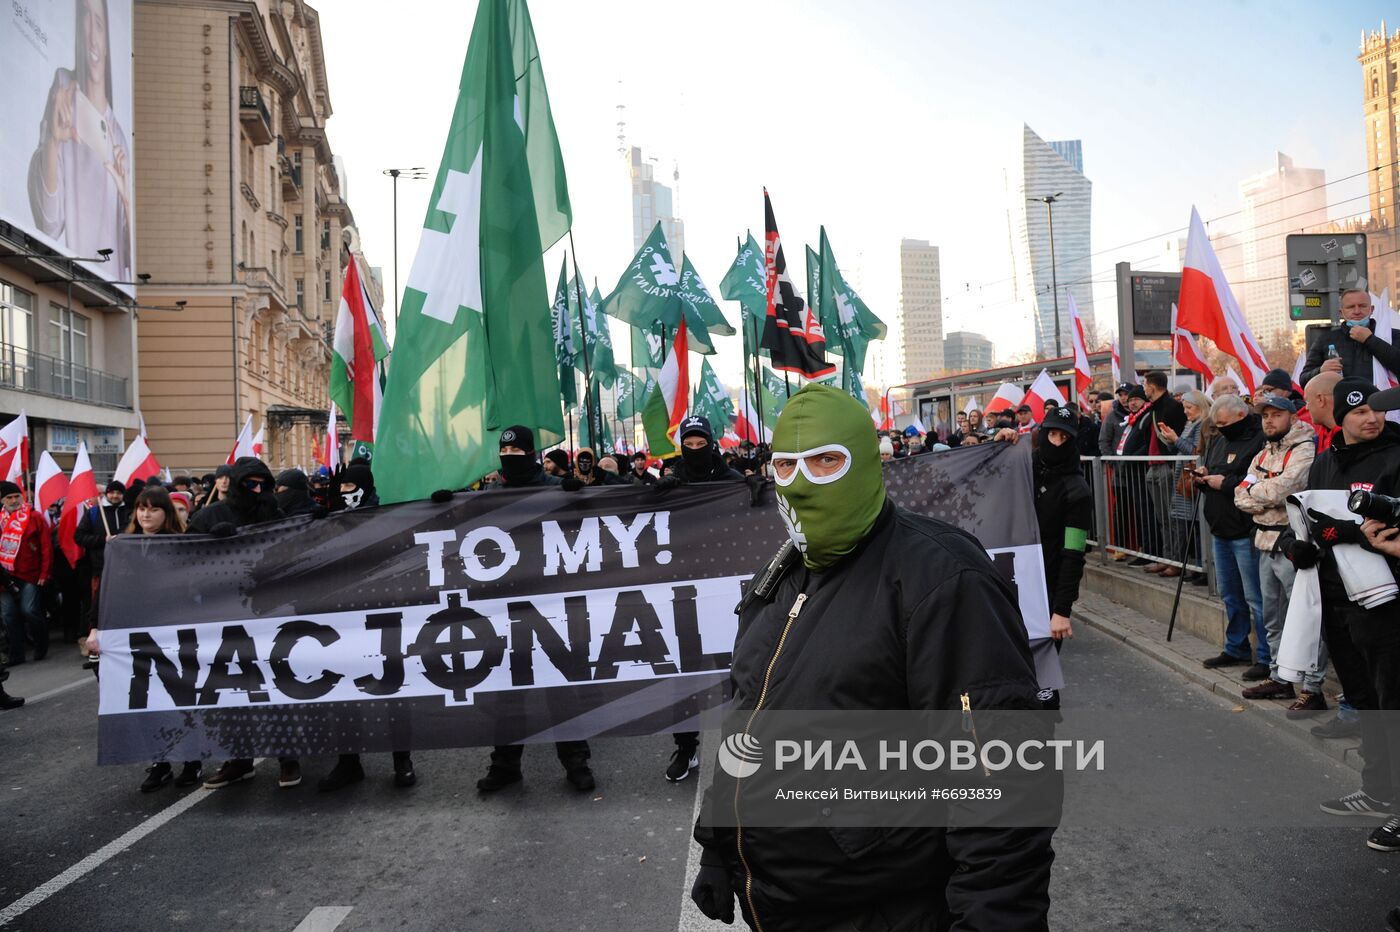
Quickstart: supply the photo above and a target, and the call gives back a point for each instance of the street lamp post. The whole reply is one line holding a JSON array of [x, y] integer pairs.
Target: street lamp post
[[1049, 202], [417, 174]]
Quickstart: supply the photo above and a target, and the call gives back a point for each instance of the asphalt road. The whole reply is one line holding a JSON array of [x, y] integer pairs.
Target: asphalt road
[[543, 857]]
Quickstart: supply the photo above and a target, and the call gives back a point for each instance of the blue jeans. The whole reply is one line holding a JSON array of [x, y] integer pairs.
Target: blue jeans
[[20, 617], [1237, 572]]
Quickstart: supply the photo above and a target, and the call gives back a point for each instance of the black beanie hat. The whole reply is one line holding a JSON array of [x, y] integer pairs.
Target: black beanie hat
[[223, 470], [292, 479], [1277, 378], [8, 488], [519, 436], [1350, 392], [559, 458], [362, 476], [116, 486]]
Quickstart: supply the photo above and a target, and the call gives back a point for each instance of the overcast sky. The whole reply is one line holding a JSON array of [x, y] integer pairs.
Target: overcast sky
[[881, 120]]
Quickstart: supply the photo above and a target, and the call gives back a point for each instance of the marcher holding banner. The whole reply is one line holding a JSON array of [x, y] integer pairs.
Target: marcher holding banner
[[881, 609]]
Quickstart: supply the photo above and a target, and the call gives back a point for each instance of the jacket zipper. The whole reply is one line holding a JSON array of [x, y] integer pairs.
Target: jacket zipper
[[762, 694], [969, 725]]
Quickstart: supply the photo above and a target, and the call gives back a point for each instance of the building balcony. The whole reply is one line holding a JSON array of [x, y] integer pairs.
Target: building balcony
[[291, 183], [261, 281], [27, 371], [257, 120]]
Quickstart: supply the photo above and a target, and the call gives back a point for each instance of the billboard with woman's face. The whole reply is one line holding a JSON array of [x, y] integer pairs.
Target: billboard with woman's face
[[66, 173]]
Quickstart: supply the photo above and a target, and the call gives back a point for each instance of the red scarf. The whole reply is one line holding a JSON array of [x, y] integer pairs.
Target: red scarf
[[12, 528]]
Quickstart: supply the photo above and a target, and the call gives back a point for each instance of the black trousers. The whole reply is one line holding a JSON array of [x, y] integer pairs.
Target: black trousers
[[1365, 650], [571, 754]]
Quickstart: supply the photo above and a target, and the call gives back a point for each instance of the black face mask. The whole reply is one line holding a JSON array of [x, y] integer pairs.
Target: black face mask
[[517, 467], [696, 461], [1236, 430], [585, 465], [1053, 457]]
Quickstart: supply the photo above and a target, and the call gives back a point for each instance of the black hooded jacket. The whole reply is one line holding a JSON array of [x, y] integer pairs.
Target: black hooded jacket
[[1063, 503], [933, 622], [1374, 465], [299, 502], [1230, 458], [240, 507]]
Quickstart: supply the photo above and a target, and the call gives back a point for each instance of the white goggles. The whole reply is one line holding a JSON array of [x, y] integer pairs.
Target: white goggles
[[817, 464]]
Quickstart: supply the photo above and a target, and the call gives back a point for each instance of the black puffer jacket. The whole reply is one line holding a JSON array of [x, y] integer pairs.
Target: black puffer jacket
[[1230, 458], [240, 507], [299, 502], [914, 618], [718, 470], [1063, 504], [1356, 357]]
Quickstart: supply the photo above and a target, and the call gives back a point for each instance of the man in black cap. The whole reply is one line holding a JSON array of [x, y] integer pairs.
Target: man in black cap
[[293, 494], [520, 468], [556, 463], [1025, 419], [1111, 427], [1363, 644], [1351, 348]]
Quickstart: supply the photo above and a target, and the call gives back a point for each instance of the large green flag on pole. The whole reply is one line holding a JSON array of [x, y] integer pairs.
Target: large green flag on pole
[[849, 325], [745, 282], [699, 299], [600, 348], [649, 292], [474, 349], [631, 392], [712, 400], [774, 392], [565, 347]]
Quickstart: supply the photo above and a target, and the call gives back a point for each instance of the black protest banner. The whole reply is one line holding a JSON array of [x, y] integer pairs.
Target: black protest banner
[[502, 617]]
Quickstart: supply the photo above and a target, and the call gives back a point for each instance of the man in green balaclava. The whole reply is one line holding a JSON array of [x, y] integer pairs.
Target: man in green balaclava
[[885, 610]]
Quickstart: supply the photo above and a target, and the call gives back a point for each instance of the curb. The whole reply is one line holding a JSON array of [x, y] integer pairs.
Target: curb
[[1344, 751]]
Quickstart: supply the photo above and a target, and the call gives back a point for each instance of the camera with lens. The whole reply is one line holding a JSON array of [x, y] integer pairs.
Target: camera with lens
[[1375, 506]]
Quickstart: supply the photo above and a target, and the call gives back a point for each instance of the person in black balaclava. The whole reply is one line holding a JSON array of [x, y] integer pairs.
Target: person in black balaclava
[[354, 486], [250, 500], [586, 469], [293, 494], [1064, 510], [520, 468], [700, 461]]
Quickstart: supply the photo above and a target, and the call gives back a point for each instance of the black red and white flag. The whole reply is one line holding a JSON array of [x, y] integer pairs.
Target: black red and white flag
[[791, 332]]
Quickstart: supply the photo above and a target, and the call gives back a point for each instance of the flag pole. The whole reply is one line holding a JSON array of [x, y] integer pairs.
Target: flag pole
[[583, 330]]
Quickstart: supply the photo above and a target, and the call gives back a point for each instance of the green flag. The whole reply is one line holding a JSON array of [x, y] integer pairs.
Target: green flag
[[849, 325], [601, 365], [712, 400], [647, 348], [745, 282], [565, 352], [630, 393], [775, 394], [699, 299], [650, 291], [474, 349]]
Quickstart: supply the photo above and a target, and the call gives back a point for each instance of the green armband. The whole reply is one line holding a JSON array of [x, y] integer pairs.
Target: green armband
[[1075, 538]]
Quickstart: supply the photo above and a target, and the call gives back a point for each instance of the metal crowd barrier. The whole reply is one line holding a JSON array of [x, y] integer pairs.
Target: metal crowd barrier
[[1143, 510]]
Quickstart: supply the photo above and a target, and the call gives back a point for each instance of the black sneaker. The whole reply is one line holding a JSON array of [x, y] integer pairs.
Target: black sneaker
[[1226, 660], [403, 770], [1259, 671], [190, 774], [498, 777], [157, 775], [580, 778], [346, 771], [1387, 837], [290, 774], [1357, 804], [1337, 728], [1392, 920], [682, 763], [8, 702], [231, 771]]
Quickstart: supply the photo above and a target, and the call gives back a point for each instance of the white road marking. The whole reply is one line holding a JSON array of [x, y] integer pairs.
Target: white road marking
[[691, 919], [324, 919], [102, 855], [30, 700]]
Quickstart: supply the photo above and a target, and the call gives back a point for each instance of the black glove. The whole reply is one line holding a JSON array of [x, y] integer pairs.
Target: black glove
[[223, 529], [713, 893], [1304, 554], [571, 483], [442, 496], [1328, 531], [666, 483], [756, 484]]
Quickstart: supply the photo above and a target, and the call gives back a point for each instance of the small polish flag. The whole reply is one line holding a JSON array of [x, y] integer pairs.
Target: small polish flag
[[1007, 396], [82, 491], [138, 462], [50, 484], [1208, 307], [1041, 391], [243, 446]]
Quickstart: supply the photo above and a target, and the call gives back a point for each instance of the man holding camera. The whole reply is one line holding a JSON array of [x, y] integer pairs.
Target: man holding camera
[[1364, 644], [1357, 348]]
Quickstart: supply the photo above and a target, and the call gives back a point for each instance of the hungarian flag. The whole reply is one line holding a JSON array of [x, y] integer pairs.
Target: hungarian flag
[[1007, 396], [243, 446], [14, 449], [1207, 306], [82, 492], [473, 352], [356, 350], [1083, 375], [1187, 352], [1041, 391], [138, 462], [666, 405], [50, 484], [791, 332]]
